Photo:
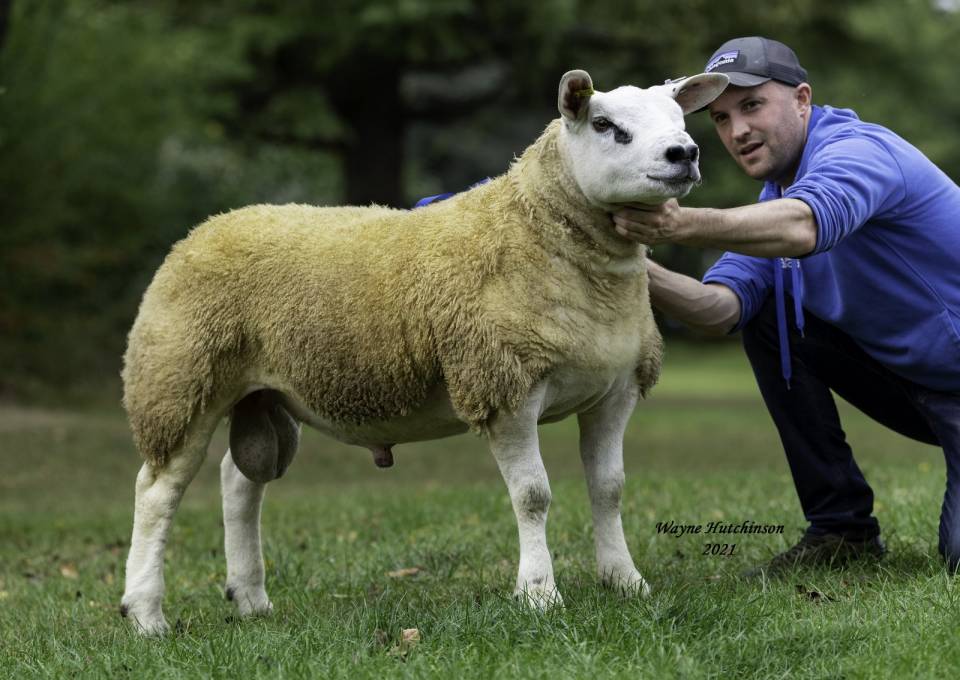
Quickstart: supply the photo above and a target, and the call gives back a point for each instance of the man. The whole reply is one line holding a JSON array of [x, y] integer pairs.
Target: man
[[845, 276]]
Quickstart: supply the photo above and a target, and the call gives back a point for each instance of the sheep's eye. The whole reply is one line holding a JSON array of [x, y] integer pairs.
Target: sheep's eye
[[601, 124]]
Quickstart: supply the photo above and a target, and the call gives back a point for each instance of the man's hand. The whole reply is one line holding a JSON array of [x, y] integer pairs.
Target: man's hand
[[650, 224]]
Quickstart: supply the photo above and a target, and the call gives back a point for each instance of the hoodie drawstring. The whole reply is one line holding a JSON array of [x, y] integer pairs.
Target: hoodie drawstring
[[779, 264], [798, 296]]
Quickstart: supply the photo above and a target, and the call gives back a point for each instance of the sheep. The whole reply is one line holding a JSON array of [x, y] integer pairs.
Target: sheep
[[512, 304]]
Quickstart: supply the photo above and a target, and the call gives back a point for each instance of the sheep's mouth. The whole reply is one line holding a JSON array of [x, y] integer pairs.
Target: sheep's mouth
[[675, 180]]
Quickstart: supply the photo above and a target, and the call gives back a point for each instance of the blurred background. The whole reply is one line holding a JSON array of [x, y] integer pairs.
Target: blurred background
[[123, 124]]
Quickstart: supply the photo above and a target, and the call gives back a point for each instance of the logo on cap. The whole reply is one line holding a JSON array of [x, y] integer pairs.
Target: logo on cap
[[722, 60]]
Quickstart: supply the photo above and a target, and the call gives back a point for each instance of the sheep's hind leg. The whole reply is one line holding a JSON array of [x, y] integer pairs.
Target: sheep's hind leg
[[242, 500], [265, 437], [601, 450], [515, 445], [158, 493]]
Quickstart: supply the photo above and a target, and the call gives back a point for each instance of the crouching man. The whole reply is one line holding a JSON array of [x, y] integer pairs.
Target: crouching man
[[845, 277]]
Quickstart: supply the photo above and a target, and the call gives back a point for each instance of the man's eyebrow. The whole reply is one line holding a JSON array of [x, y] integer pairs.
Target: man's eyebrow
[[749, 95], [753, 94]]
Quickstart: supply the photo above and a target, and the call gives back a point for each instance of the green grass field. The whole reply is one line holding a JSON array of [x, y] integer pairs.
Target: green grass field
[[701, 449]]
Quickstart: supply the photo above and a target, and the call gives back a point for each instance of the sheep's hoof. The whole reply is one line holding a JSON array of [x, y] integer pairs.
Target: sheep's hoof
[[539, 597], [626, 583], [147, 621], [250, 601]]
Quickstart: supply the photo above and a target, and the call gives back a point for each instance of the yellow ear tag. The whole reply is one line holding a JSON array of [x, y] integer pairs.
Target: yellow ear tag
[[588, 92]]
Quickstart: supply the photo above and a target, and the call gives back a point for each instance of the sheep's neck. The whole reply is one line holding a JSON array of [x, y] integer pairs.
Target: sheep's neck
[[559, 210]]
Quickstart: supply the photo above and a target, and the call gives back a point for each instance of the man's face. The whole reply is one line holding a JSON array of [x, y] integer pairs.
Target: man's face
[[764, 128]]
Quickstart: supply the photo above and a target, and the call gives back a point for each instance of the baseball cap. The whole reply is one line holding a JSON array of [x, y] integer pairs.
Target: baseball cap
[[754, 60]]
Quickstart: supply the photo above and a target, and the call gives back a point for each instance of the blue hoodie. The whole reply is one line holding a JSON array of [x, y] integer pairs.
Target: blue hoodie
[[886, 266]]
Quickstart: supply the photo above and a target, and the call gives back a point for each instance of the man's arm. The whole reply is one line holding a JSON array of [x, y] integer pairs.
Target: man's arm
[[710, 308], [785, 227]]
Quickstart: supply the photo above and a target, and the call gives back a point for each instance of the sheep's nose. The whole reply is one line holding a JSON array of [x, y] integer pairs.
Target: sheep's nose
[[679, 154]]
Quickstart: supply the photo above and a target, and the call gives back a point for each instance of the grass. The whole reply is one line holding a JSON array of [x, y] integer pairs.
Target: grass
[[701, 449]]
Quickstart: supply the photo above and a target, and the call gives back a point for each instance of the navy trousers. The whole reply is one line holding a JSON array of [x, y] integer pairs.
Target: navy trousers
[[833, 493]]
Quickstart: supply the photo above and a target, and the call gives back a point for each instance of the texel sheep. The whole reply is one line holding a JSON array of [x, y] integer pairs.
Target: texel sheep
[[509, 305]]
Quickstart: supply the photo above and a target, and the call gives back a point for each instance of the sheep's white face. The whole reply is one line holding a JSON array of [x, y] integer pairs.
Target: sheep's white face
[[630, 145]]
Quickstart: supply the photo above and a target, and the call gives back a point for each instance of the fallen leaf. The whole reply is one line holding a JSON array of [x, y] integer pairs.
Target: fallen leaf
[[409, 638], [404, 573], [68, 570]]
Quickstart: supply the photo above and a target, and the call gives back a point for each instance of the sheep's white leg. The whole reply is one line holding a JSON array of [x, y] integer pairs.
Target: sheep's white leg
[[515, 445], [601, 449], [158, 493], [241, 526]]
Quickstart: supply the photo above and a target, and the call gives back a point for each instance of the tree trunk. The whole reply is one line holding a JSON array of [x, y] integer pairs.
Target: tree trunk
[[5, 8], [373, 157]]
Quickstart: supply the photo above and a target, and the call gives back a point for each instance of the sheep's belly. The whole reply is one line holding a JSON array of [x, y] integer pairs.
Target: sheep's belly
[[566, 391], [433, 419]]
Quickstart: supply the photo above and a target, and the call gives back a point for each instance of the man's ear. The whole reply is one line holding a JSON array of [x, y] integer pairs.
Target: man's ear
[[695, 92], [573, 98], [804, 96]]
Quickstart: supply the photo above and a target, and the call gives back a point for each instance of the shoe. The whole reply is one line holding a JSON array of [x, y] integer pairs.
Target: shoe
[[827, 550]]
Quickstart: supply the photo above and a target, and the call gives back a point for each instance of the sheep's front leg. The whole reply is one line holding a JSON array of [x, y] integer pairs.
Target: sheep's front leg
[[515, 445], [242, 500], [601, 450]]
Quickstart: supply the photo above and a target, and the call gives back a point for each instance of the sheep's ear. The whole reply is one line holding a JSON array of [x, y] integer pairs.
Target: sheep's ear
[[695, 92], [576, 88]]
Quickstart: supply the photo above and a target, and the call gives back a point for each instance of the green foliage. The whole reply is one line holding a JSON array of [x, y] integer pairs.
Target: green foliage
[[110, 153], [122, 124]]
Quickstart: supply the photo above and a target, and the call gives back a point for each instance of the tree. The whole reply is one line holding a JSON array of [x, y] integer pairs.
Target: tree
[[355, 82]]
